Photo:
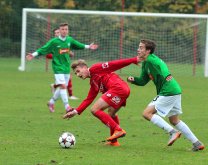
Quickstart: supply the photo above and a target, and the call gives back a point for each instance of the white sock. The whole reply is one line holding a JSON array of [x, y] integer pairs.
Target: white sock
[[160, 122], [181, 126], [56, 95], [64, 97]]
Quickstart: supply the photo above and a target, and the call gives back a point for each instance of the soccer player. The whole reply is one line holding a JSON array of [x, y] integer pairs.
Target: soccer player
[[167, 103], [115, 93], [56, 33], [60, 47]]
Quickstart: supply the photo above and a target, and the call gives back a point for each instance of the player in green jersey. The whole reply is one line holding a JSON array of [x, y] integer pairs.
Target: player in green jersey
[[56, 33], [167, 103], [60, 48]]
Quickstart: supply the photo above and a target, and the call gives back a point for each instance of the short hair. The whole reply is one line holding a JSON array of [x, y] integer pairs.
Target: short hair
[[149, 45], [63, 24], [55, 29], [77, 63]]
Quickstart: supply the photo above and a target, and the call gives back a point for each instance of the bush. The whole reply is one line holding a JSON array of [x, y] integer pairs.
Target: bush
[[9, 48]]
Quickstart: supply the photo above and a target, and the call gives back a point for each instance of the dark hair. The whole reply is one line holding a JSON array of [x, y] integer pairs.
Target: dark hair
[[79, 62], [149, 45], [63, 24], [55, 29]]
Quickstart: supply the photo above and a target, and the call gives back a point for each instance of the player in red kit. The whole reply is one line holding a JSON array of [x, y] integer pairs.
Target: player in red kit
[[115, 93]]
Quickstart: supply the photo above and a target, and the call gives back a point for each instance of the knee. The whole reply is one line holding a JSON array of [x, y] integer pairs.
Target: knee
[[112, 114], [62, 86], [174, 120], [149, 112], [147, 115], [93, 111]]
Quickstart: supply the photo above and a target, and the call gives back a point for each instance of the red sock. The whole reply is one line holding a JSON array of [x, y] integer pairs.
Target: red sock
[[116, 119], [69, 87], [107, 120]]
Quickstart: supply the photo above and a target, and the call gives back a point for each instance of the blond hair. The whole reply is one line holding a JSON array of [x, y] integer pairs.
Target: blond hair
[[77, 63]]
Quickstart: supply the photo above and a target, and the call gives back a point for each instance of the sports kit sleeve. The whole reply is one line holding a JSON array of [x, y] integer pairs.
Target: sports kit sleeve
[[89, 99], [143, 79], [76, 44], [47, 48], [114, 65]]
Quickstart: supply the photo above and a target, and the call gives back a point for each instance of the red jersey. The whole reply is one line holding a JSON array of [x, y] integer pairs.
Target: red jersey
[[103, 78]]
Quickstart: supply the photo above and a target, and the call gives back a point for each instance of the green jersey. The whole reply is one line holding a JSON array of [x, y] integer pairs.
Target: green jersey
[[60, 50], [155, 69]]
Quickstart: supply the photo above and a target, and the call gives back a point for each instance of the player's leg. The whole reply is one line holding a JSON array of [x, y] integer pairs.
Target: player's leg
[[150, 115], [98, 111], [115, 117], [69, 89], [186, 131], [161, 106], [53, 99], [115, 101], [61, 91], [53, 87], [55, 96], [116, 98], [181, 126]]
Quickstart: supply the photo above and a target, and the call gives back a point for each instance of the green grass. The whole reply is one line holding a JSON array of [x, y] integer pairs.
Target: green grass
[[29, 133]]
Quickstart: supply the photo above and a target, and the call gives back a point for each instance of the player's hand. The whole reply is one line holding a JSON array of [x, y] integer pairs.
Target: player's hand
[[29, 56], [70, 114], [71, 54], [139, 59], [93, 46], [69, 109], [130, 79]]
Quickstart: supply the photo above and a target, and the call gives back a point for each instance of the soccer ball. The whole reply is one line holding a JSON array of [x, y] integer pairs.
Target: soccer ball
[[67, 140]]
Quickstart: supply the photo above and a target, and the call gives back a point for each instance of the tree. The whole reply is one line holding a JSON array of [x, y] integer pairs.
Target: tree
[[101, 5]]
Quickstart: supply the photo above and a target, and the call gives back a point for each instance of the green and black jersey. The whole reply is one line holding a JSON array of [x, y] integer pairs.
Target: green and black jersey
[[60, 50], [155, 69]]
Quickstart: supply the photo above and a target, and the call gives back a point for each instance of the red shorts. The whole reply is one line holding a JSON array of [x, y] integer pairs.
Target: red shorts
[[117, 95]]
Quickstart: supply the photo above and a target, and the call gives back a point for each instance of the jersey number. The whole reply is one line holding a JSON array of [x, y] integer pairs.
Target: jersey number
[[156, 98]]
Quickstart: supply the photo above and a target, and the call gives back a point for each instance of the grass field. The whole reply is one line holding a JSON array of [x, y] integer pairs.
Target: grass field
[[29, 133]]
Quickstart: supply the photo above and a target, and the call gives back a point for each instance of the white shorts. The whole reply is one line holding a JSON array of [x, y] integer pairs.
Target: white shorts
[[62, 79], [167, 105]]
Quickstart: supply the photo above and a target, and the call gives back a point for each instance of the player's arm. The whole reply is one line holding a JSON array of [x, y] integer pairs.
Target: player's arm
[[91, 96], [46, 49], [114, 65], [142, 80], [92, 46], [78, 45], [71, 54], [29, 56], [85, 103]]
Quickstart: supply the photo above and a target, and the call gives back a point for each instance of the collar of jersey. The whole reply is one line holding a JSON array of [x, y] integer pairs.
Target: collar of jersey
[[62, 38]]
